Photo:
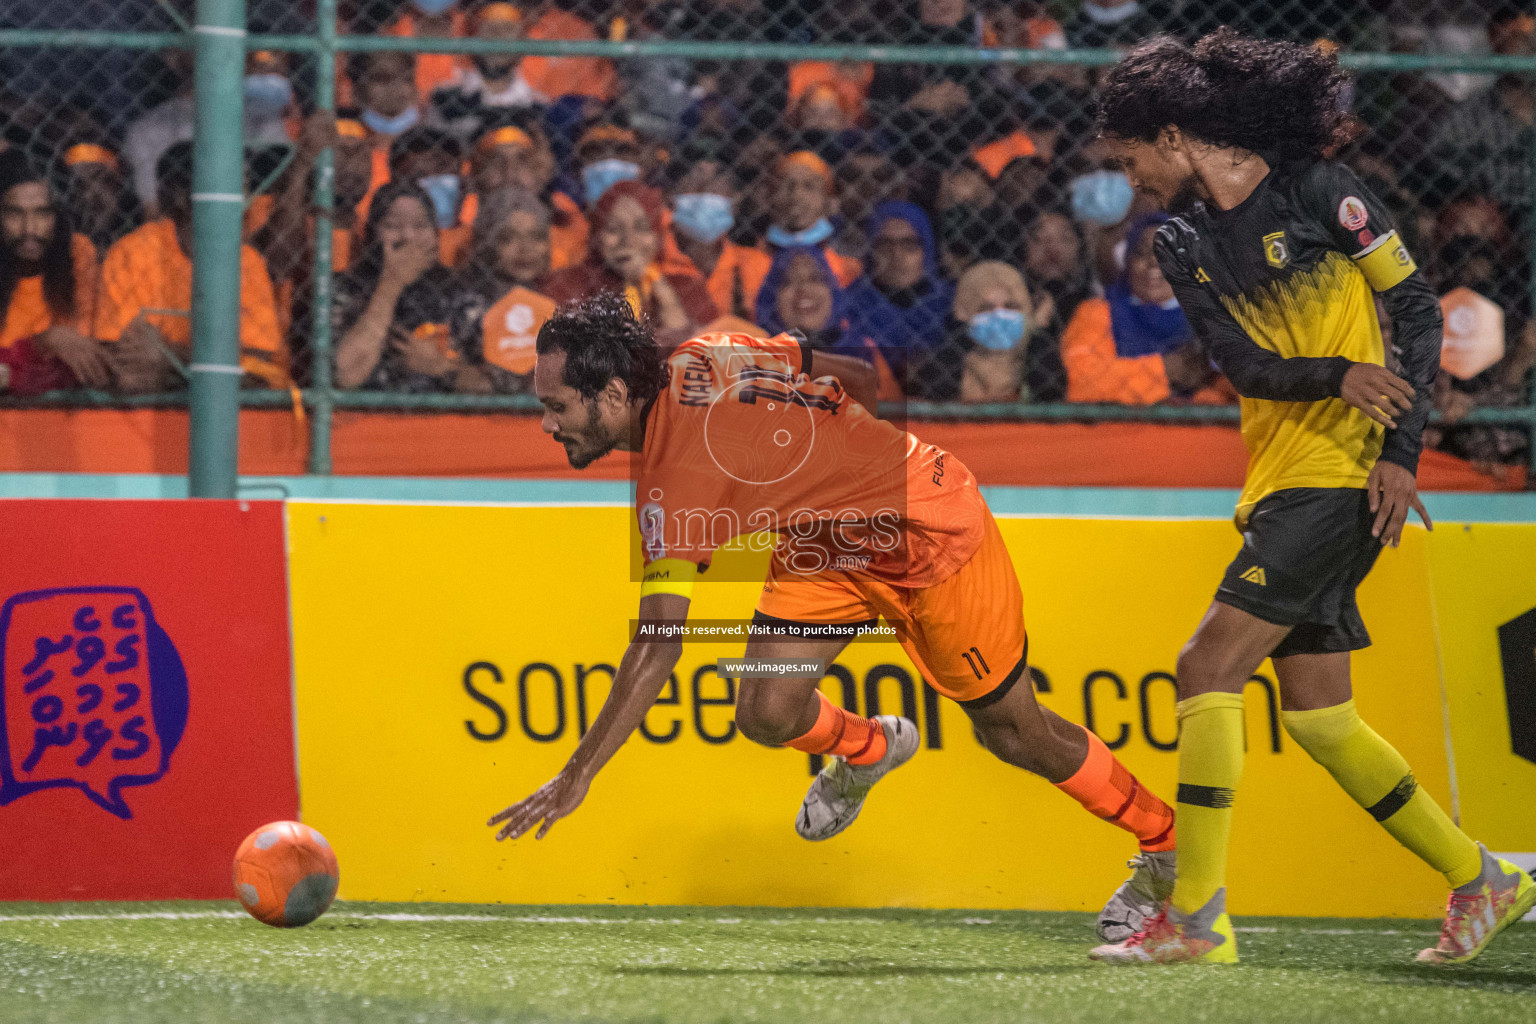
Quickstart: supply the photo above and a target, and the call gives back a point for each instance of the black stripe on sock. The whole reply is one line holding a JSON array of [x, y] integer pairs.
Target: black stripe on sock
[[1394, 801], [1215, 797]]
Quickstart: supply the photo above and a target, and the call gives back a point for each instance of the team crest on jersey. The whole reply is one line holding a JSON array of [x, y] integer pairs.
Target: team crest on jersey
[[1353, 214], [1275, 251]]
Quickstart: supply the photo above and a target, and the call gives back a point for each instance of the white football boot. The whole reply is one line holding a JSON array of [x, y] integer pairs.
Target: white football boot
[[1139, 897], [837, 795]]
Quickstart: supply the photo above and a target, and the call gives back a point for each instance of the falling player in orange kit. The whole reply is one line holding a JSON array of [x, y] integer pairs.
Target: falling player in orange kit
[[734, 435]]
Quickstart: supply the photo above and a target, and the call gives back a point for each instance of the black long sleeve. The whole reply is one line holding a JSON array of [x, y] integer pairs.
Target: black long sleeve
[[1254, 371], [1417, 333]]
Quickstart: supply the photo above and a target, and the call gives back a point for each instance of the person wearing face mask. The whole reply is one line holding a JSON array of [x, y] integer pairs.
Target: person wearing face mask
[[490, 84], [391, 312], [267, 95], [902, 302], [983, 356], [1134, 346], [433, 161], [607, 154], [703, 212], [632, 252], [802, 293], [803, 201], [384, 86], [501, 302]]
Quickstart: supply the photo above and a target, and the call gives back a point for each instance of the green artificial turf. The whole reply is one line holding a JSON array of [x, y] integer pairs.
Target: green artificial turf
[[432, 963]]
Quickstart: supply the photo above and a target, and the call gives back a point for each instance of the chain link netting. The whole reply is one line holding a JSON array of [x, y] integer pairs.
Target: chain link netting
[[956, 223]]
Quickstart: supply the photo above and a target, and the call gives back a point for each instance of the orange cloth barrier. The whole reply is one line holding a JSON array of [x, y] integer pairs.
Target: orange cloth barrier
[[274, 443]]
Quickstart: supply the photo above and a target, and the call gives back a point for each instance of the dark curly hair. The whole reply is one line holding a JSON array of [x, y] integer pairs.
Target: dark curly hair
[[602, 338], [1281, 100]]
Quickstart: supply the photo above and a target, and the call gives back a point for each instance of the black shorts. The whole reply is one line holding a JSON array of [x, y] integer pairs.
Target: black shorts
[[1305, 550]]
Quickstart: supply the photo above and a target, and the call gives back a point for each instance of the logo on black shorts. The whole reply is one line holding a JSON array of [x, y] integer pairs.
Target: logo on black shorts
[[1254, 575]]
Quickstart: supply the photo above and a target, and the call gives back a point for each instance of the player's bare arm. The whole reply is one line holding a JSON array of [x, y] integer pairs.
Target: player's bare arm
[[642, 672]]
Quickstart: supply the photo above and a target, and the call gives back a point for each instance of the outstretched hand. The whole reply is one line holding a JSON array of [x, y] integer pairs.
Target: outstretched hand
[[1393, 491], [1377, 392], [554, 800]]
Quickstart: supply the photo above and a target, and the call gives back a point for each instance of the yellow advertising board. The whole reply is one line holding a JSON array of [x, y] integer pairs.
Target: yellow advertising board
[[448, 658], [1484, 584]]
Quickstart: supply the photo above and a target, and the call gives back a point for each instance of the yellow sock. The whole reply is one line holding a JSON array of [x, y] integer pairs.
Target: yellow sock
[[1377, 778], [1210, 765]]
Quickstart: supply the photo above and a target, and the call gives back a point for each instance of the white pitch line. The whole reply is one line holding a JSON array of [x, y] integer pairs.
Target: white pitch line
[[404, 917]]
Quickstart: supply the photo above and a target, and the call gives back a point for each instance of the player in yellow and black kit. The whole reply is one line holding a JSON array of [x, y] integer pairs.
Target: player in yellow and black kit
[[1275, 254]]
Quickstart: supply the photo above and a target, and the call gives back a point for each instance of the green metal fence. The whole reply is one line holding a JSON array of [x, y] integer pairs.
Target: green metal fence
[[218, 39]]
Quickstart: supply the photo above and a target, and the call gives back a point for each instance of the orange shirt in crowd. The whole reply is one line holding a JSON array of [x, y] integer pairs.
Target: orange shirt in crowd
[[146, 270], [851, 83], [1096, 374], [28, 313], [738, 274], [567, 76], [432, 69], [846, 268]]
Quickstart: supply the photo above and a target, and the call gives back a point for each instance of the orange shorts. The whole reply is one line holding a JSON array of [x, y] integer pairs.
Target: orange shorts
[[965, 634]]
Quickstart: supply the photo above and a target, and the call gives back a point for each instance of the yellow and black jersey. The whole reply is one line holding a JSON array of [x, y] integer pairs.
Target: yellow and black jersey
[[1279, 288]]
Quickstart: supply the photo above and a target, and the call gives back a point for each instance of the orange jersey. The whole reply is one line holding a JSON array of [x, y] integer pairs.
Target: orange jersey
[[28, 313], [744, 439]]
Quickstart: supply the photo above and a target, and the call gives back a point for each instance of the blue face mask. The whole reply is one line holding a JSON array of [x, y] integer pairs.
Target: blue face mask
[[702, 216], [1102, 198], [443, 190], [996, 329], [600, 177], [432, 8], [267, 96], [813, 235], [401, 122]]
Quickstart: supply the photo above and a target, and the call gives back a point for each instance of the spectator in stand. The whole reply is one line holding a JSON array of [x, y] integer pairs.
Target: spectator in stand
[[866, 177], [606, 154], [268, 94], [143, 306], [391, 312], [431, 19], [633, 252], [1056, 260], [1110, 24], [554, 77], [804, 202], [703, 213], [433, 160], [500, 299], [849, 81], [1487, 143], [821, 108], [384, 85], [286, 241], [1134, 346], [902, 302], [801, 293], [974, 226], [984, 354], [519, 156], [493, 84], [47, 276], [99, 199], [933, 108]]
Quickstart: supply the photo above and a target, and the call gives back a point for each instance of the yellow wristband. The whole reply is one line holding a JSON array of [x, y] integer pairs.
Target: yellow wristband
[[669, 576]]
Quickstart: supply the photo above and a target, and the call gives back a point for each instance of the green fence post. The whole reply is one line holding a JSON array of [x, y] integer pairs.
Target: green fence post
[[320, 307], [218, 185]]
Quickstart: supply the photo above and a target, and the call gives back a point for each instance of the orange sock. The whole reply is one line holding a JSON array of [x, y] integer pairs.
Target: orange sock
[[856, 740], [1107, 789]]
